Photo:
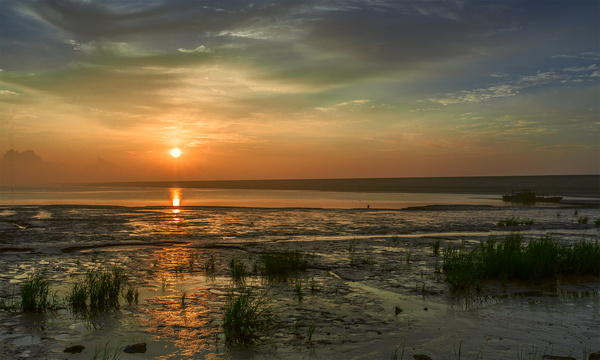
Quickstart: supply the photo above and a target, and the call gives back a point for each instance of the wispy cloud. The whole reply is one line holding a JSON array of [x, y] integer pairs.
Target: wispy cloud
[[511, 88]]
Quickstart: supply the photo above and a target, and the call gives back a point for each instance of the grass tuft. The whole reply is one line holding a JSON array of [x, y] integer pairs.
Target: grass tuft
[[246, 315], [238, 269], [278, 266], [298, 290], [100, 291], [209, 266], [131, 295], [435, 248], [583, 219], [512, 221], [512, 259], [35, 293], [106, 354]]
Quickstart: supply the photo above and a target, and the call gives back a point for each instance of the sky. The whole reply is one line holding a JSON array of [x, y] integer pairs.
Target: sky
[[103, 90]]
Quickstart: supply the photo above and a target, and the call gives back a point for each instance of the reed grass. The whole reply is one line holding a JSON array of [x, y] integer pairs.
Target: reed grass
[[238, 269], [104, 288], [278, 266], [512, 221], [513, 259], [131, 295], [100, 291], [435, 248], [106, 354], [209, 265], [35, 293], [298, 290], [77, 298], [311, 330], [245, 317]]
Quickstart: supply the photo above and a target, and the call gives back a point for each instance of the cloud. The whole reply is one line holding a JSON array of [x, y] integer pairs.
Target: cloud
[[199, 49], [8, 93], [512, 87], [582, 68]]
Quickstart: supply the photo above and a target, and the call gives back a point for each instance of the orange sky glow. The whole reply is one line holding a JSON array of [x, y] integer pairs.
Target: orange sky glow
[[297, 90]]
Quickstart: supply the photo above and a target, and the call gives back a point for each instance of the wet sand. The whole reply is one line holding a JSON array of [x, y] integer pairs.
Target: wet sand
[[351, 291]]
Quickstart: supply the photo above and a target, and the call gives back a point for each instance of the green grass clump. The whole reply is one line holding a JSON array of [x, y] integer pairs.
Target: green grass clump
[[238, 268], [35, 293], [512, 259], [298, 290], [278, 266], [512, 221], [104, 288], [435, 248], [209, 266], [77, 298], [100, 291], [131, 295], [583, 219], [245, 317], [106, 354]]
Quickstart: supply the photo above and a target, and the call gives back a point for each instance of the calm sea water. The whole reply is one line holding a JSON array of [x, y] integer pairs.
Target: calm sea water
[[64, 217], [232, 198], [67, 231]]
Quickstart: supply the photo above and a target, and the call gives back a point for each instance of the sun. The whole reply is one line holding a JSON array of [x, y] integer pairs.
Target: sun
[[175, 152]]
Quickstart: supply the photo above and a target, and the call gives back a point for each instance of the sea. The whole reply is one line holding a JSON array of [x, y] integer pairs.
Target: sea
[[58, 217], [154, 231]]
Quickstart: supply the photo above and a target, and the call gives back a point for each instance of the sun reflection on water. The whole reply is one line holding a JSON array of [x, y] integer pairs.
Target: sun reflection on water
[[185, 306], [176, 202]]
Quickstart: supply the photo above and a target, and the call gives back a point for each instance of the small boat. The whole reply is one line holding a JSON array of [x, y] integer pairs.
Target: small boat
[[529, 196]]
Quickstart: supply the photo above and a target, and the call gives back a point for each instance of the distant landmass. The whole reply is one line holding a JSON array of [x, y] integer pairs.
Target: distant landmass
[[564, 185]]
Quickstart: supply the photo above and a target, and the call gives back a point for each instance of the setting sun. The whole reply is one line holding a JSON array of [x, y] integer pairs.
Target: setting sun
[[176, 152]]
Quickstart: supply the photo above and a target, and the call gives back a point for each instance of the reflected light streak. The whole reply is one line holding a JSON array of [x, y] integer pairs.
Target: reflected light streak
[[176, 201], [175, 196]]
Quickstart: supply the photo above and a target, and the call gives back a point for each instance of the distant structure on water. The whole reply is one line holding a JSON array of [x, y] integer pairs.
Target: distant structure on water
[[529, 196]]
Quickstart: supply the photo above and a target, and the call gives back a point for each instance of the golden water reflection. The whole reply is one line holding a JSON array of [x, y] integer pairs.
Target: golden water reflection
[[184, 308], [176, 202]]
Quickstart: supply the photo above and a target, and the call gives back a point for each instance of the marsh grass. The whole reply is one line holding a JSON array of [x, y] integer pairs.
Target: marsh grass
[[104, 288], [278, 266], [298, 290], [313, 284], [77, 298], [106, 354], [245, 317], [311, 330], [352, 246], [35, 293], [583, 219], [435, 248], [209, 265], [512, 221], [131, 295], [100, 291], [395, 353], [182, 297], [512, 259], [238, 269]]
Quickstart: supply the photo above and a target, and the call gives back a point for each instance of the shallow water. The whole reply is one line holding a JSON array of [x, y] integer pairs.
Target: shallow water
[[163, 247]]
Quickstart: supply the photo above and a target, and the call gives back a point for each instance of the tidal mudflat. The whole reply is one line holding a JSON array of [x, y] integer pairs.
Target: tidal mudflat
[[372, 286]]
